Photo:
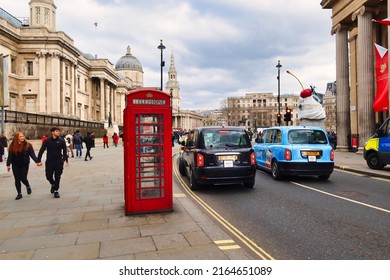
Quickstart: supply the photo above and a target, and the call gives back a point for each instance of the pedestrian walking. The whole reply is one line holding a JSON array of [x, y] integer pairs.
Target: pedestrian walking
[[55, 148], [88, 140], [105, 141], [19, 154], [69, 144], [115, 137], [78, 143]]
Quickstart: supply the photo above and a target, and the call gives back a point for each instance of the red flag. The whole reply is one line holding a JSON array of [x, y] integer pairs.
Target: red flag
[[385, 21], [381, 102]]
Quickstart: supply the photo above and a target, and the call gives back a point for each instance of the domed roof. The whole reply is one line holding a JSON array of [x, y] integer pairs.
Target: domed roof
[[128, 62]]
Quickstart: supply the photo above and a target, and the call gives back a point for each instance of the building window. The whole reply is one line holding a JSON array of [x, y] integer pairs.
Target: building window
[[66, 73], [30, 105], [13, 65], [85, 85], [67, 106], [47, 16], [38, 15], [86, 116], [78, 82], [78, 112], [12, 103], [30, 69]]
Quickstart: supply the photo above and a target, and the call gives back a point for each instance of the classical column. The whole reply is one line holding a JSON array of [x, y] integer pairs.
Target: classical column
[[42, 82], [342, 82], [102, 100], [55, 84], [74, 92], [366, 116]]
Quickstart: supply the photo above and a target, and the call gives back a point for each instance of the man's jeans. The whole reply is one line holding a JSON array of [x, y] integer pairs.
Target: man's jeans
[[79, 149]]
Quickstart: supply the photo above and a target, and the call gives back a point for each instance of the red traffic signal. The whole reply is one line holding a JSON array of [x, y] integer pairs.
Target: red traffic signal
[[287, 116], [279, 118]]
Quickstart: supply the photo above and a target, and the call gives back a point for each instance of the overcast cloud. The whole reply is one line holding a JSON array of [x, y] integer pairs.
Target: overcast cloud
[[222, 47]]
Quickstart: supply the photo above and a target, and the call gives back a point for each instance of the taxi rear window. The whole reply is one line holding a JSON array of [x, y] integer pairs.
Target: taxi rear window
[[307, 136], [230, 138]]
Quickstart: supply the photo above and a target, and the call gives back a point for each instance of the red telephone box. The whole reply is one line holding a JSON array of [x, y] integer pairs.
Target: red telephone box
[[148, 151]]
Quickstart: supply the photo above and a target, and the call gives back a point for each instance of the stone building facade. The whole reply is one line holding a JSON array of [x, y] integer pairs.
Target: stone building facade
[[355, 34], [260, 109], [47, 74]]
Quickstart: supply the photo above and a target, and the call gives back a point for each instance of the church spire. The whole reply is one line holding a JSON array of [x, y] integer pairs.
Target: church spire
[[172, 68], [172, 85]]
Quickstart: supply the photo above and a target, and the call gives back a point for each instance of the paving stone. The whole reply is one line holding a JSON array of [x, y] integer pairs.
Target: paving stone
[[166, 228], [39, 231], [20, 255], [108, 234], [201, 252], [78, 252], [126, 246], [170, 241], [38, 242], [83, 226], [197, 238], [11, 232]]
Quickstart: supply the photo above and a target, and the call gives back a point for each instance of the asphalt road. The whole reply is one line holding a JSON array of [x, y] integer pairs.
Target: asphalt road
[[344, 218]]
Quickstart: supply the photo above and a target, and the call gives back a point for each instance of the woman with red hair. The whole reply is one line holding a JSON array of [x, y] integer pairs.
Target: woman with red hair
[[19, 153]]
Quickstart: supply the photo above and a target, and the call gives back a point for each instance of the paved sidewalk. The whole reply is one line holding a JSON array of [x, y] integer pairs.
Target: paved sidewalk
[[88, 221], [355, 162]]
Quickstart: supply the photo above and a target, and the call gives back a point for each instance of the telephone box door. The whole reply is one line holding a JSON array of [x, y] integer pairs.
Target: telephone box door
[[148, 151]]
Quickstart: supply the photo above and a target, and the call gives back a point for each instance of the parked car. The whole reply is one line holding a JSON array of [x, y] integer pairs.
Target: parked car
[[293, 151], [377, 148], [218, 155]]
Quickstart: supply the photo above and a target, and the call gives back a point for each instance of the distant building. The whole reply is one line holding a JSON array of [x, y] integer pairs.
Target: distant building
[[256, 110]]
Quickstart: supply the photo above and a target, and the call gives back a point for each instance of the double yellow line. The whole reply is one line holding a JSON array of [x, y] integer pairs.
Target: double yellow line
[[261, 253]]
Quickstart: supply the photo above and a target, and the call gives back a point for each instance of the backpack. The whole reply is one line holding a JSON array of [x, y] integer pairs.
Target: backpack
[[77, 138]]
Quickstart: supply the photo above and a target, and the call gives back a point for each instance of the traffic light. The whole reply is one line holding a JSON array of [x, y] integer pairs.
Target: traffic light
[[278, 118], [287, 116]]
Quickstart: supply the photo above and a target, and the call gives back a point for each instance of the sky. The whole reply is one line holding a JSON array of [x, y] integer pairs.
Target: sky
[[222, 48]]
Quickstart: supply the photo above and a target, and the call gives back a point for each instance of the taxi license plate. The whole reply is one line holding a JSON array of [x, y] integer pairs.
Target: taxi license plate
[[228, 158], [228, 163], [310, 153]]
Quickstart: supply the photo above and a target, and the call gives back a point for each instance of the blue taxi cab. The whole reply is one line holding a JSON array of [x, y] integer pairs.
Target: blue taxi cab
[[293, 151]]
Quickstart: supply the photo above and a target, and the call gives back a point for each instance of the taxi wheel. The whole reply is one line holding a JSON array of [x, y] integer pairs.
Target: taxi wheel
[[193, 184], [182, 168], [249, 184], [373, 161], [275, 170], [323, 177]]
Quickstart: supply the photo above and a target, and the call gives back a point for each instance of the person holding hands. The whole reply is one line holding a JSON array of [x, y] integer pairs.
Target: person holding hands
[[19, 153], [56, 156]]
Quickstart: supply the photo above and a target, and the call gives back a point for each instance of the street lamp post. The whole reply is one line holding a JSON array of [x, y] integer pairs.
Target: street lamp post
[[162, 48], [255, 123], [279, 66]]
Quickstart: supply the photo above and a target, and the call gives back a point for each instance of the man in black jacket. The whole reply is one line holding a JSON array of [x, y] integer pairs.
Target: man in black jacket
[[55, 157], [88, 140]]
